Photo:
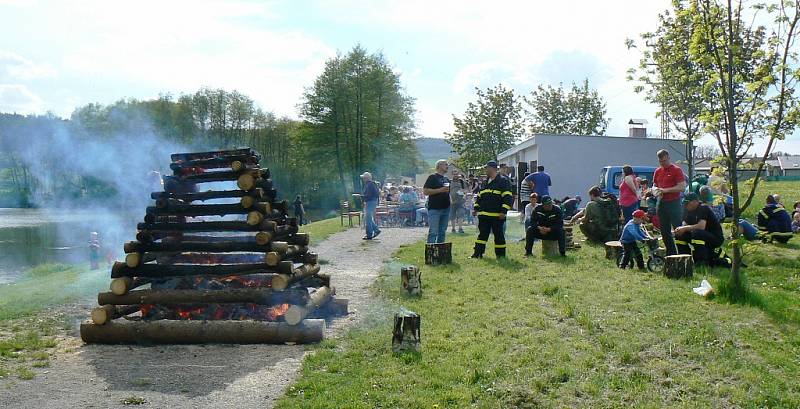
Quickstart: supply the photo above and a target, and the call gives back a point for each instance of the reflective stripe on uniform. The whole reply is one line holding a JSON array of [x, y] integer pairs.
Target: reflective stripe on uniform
[[700, 242], [681, 242], [782, 234], [505, 206], [507, 192], [488, 214], [763, 214], [499, 246], [480, 241]]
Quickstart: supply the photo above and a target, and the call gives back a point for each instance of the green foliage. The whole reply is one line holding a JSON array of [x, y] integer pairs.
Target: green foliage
[[490, 125], [581, 111], [357, 118]]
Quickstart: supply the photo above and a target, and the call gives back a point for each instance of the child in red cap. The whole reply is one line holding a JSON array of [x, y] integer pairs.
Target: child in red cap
[[631, 234]]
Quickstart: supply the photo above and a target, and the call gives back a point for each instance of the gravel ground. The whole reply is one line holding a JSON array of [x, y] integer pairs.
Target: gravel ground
[[203, 376]]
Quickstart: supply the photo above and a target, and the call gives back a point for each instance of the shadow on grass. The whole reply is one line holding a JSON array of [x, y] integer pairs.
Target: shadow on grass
[[776, 305]]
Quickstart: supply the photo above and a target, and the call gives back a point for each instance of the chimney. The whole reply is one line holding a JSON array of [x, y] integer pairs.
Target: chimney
[[637, 128]]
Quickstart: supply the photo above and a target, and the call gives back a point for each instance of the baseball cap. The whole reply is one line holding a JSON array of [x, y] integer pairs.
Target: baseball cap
[[547, 199], [491, 164], [690, 196], [639, 214]]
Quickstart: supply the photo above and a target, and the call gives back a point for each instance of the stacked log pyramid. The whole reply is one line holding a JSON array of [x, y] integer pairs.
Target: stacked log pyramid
[[232, 271]]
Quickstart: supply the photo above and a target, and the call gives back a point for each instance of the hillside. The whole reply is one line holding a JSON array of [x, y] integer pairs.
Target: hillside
[[433, 149]]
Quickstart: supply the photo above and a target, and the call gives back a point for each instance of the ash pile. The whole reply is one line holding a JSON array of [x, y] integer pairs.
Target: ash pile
[[215, 266]]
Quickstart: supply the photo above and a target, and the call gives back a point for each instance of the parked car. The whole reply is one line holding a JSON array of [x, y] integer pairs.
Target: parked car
[[611, 177]]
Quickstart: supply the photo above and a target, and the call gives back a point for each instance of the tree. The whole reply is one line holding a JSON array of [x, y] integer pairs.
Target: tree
[[489, 126], [751, 71], [357, 117], [580, 112], [670, 77], [706, 152]]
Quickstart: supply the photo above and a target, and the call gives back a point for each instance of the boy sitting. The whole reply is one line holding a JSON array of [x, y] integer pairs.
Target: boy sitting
[[631, 234]]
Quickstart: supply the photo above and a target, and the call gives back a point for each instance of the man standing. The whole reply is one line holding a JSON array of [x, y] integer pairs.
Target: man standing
[[494, 201], [668, 182], [299, 210], [437, 188], [539, 182], [700, 229], [547, 223], [370, 195]]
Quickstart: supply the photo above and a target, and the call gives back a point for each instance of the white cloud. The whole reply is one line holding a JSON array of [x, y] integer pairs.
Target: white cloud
[[19, 99], [14, 67]]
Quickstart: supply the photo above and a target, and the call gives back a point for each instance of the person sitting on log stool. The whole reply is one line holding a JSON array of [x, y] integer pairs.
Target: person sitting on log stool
[[774, 221], [547, 223], [700, 229], [494, 201], [632, 233]]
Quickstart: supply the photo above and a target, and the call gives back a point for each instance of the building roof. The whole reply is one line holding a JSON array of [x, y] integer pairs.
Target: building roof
[[635, 121], [789, 162], [531, 141]]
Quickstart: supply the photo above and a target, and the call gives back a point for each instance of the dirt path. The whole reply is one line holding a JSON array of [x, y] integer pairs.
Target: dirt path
[[204, 376]]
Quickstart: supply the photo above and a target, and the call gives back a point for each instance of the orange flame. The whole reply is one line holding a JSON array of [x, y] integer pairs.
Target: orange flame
[[273, 313]]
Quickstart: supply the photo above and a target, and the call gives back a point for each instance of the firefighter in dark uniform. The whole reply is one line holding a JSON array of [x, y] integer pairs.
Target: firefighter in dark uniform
[[774, 222], [547, 223], [701, 234], [494, 200]]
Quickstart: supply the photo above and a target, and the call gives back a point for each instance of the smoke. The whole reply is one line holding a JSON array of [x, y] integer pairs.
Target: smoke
[[122, 154]]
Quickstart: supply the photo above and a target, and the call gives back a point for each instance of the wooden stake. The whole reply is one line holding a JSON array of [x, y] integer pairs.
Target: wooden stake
[[296, 313]]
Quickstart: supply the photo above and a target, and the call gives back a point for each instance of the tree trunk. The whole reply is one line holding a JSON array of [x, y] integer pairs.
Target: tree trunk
[[202, 332], [165, 270], [192, 210], [262, 296], [283, 280], [268, 225], [258, 194], [679, 266], [122, 285], [296, 313], [107, 312]]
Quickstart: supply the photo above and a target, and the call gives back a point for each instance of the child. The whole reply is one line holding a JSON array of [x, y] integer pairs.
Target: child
[[631, 234], [94, 250], [796, 223]]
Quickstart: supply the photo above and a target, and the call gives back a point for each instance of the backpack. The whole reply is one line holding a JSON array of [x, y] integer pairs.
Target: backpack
[[609, 211]]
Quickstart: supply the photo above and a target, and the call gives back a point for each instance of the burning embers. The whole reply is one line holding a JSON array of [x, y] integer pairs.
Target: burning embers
[[233, 271]]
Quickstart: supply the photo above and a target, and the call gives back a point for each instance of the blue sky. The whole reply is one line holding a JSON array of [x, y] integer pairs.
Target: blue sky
[[57, 55]]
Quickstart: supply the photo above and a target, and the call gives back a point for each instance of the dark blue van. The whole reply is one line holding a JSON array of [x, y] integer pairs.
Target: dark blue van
[[611, 177]]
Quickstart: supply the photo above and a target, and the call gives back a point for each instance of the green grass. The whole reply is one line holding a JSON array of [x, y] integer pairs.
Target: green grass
[[574, 332], [49, 285], [320, 230]]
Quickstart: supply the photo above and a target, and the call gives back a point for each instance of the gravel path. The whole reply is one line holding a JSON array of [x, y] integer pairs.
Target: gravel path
[[204, 376]]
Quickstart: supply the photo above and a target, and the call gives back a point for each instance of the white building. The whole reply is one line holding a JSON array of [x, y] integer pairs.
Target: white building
[[574, 162]]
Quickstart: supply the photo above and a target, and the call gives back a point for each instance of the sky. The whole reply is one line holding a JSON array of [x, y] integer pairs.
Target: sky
[[57, 55]]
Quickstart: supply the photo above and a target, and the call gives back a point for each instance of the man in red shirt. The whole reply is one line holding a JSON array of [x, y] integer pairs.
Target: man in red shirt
[[669, 182]]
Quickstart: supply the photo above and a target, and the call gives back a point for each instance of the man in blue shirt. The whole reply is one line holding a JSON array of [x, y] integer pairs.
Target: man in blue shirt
[[539, 182]]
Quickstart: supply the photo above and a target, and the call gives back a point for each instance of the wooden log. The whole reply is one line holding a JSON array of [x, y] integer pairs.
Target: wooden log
[[202, 332], [613, 250], [550, 248], [289, 253], [283, 281], [438, 253], [216, 162], [193, 210], [679, 266], [133, 247], [166, 270], [262, 296], [411, 279], [187, 156], [107, 312], [406, 332], [258, 194], [297, 313], [135, 259], [122, 285], [223, 176], [267, 226], [302, 239], [163, 218]]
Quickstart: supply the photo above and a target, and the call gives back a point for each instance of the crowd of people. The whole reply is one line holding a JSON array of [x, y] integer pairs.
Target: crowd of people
[[687, 215]]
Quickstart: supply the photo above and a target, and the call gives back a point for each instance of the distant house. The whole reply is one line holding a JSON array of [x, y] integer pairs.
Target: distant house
[[574, 162], [747, 167], [789, 165]]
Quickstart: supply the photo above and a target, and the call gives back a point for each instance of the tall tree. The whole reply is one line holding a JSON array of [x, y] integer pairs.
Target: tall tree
[[358, 117], [581, 111], [751, 68], [490, 125], [669, 76]]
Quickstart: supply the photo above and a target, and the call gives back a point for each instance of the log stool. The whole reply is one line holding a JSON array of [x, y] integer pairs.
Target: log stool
[[550, 248], [406, 332], [679, 266], [613, 250], [411, 279], [438, 253]]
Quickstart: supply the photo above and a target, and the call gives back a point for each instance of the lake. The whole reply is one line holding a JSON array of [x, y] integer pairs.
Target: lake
[[29, 237]]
